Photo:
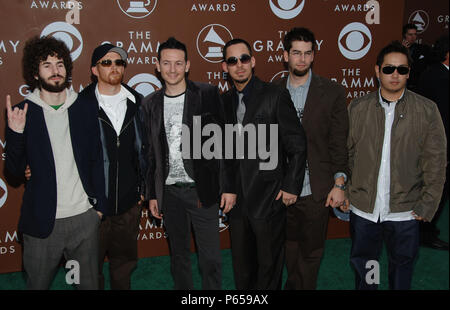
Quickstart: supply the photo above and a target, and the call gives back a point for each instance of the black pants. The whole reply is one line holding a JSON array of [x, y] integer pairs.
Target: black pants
[[181, 211], [257, 249], [118, 241], [307, 223], [402, 243]]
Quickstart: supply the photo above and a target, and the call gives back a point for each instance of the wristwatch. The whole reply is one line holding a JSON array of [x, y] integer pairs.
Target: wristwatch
[[341, 186]]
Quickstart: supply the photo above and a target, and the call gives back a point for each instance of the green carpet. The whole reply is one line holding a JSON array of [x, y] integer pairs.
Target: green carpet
[[431, 271]]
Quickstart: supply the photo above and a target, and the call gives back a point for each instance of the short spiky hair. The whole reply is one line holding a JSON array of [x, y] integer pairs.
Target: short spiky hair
[[38, 49], [393, 47], [298, 34], [172, 43]]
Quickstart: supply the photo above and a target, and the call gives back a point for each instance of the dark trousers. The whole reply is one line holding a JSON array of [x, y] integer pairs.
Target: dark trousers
[[118, 242], [402, 244], [306, 232], [181, 211], [76, 238], [257, 249]]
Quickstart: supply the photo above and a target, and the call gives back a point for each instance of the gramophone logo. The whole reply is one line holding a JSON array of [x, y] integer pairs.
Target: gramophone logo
[[420, 19], [279, 75], [137, 9], [211, 40]]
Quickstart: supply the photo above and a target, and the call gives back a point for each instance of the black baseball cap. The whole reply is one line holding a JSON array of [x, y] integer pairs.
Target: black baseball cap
[[104, 49]]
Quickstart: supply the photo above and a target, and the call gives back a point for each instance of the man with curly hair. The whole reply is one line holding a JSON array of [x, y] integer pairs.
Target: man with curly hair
[[58, 137]]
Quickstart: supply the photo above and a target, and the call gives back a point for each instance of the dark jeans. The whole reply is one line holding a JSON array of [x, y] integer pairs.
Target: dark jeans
[[402, 244], [118, 241], [307, 223], [181, 211]]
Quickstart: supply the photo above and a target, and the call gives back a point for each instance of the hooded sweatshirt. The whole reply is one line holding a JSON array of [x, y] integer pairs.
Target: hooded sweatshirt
[[71, 199]]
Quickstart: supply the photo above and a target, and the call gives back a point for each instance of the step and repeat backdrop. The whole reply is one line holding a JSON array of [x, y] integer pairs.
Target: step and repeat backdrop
[[349, 35]]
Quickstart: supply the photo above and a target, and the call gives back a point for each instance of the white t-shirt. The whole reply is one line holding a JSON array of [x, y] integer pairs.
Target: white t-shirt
[[173, 122], [115, 106]]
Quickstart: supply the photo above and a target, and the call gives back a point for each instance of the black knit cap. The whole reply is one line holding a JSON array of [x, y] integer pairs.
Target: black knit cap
[[104, 49]]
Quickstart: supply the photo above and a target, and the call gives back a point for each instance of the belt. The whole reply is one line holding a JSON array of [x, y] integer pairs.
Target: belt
[[184, 185]]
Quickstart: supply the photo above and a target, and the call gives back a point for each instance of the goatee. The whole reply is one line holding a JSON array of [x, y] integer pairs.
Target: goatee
[[115, 78], [241, 81], [300, 73]]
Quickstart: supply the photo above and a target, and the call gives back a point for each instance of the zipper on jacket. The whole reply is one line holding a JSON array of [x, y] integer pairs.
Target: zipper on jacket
[[117, 173], [117, 158], [117, 166]]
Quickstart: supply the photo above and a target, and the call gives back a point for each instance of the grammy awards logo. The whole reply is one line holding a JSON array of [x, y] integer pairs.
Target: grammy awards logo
[[137, 9], [211, 40], [286, 9], [421, 19]]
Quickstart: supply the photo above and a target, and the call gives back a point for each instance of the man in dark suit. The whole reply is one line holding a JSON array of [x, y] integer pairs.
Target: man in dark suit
[[183, 185], [420, 55], [258, 222], [321, 108], [433, 84]]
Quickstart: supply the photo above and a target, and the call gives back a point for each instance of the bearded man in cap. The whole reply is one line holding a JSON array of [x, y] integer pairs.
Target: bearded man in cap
[[124, 165]]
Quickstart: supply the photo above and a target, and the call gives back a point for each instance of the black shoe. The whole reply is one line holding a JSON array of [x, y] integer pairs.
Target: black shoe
[[435, 243]]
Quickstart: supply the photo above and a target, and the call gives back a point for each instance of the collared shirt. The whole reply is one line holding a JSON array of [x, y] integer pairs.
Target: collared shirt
[[115, 106], [382, 210], [298, 96], [446, 67], [247, 91]]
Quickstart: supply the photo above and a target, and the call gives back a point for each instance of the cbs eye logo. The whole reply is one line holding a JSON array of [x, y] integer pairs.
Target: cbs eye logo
[[286, 9], [355, 41], [66, 33], [3, 193], [144, 83]]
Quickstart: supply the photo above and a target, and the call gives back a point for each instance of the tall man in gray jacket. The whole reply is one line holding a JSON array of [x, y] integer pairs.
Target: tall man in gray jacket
[[397, 158]]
